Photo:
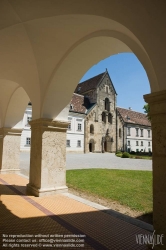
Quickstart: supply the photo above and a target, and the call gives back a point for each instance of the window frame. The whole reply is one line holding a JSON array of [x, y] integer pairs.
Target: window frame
[[103, 117], [79, 127], [79, 143], [128, 131], [137, 132], [29, 118], [92, 129], [110, 118], [69, 125], [106, 89], [149, 135], [120, 133], [28, 141], [67, 144]]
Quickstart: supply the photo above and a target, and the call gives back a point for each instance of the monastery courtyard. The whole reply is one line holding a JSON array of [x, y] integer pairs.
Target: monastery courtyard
[[93, 160]]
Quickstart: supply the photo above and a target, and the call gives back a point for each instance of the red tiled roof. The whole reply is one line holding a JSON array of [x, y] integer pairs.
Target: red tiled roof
[[77, 102], [89, 84], [130, 116]]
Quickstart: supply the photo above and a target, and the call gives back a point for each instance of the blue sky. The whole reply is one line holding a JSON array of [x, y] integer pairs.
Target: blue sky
[[128, 76]]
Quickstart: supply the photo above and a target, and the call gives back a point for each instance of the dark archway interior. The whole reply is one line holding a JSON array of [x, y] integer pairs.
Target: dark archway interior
[[90, 147]]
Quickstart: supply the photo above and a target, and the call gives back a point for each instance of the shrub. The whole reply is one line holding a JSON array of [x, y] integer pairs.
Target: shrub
[[125, 155], [119, 155], [118, 152], [138, 157], [132, 152]]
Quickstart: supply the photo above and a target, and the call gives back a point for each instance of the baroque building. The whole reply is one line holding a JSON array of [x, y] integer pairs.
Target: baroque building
[[133, 131]]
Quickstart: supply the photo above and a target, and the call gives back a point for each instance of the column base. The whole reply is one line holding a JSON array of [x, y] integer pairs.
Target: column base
[[40, 192], [10, 171]]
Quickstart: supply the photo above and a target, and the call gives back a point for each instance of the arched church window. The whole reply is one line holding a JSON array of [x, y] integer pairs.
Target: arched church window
[[104, 117], [110, 118], [107, 104], [91, 129], [120, 132]]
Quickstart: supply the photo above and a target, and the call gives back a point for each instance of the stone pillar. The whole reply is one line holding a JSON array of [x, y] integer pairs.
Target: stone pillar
[[48, 157], [10, 150], [157, 102]]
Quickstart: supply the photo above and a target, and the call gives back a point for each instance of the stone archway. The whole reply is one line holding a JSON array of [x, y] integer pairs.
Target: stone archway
[[12, 111], [106, 143], [44, 64]]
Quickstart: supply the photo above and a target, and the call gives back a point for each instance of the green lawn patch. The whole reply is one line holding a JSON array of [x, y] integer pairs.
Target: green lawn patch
[[128, 187]]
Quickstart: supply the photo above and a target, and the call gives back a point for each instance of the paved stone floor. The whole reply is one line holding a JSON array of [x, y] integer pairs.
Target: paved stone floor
[[28, 222], [94, 160]]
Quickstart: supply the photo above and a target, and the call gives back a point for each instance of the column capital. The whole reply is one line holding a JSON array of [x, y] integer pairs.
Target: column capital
[[157, 102], [155, 97], [49, 124]]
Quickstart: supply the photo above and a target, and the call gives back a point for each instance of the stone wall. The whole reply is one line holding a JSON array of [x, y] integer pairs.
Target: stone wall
[[104, 132]]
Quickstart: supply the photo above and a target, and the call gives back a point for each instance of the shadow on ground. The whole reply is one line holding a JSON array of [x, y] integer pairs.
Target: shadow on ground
[[147, 217], [94, 229]]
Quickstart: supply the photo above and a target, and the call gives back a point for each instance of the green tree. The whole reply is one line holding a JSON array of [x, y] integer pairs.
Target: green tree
[[146, 108]]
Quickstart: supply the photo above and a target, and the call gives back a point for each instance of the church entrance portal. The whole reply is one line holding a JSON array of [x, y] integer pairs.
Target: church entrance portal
[[91, 145], [105, 146]]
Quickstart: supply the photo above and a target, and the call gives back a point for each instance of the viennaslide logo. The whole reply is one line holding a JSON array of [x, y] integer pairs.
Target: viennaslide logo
[[150, 239]]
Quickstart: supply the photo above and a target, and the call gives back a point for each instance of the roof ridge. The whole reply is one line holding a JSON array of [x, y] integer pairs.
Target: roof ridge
[[131, 110], [91, 78]]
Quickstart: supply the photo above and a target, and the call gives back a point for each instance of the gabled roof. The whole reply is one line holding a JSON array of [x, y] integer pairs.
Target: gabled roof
[[92, 83], [80, 103], [89, 84], [130, 116]]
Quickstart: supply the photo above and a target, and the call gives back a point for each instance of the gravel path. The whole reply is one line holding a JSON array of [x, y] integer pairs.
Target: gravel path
[[106, 160], [93, 160]]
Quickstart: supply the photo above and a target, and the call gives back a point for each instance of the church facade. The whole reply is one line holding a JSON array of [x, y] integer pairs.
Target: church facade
[[96, 124], [100, 121]]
